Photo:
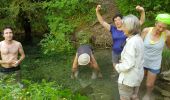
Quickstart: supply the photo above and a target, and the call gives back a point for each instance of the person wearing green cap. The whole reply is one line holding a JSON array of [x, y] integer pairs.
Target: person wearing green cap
[[154, 40]]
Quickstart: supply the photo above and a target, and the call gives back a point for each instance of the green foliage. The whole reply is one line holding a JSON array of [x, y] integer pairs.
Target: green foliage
[[152, 8], [60, 15], [37, 91], [83, 37]]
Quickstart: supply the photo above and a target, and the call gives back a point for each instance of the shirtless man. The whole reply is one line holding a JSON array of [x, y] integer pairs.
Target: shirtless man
[[10, 50]]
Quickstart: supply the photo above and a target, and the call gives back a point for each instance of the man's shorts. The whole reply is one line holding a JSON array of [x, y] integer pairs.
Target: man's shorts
[[8, 73], [115, 57], [155, 71]]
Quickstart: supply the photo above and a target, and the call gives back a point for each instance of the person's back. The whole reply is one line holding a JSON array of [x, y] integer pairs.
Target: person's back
[[84, 49]]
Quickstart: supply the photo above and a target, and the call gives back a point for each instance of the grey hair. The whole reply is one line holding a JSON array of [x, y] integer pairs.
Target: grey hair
[[132, 24]]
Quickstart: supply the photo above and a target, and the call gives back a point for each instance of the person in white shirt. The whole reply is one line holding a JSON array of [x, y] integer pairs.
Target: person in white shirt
[[130, 67]]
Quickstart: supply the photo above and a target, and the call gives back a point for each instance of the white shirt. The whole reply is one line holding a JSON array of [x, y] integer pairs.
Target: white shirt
[[130, 68]]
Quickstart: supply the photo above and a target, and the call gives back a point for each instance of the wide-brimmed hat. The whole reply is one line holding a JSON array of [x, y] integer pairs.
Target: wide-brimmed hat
[[83, 59]]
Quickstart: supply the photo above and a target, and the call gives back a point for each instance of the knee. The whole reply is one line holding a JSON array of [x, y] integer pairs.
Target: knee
[[74, 69], [149, 85]]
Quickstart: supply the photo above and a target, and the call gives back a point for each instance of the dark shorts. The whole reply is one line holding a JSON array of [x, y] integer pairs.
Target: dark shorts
[[155, 71]]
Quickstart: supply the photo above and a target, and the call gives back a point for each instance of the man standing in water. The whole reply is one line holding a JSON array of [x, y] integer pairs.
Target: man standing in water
[[10, 60]]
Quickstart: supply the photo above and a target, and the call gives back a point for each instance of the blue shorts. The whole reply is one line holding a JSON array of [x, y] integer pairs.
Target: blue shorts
[[155, 71]]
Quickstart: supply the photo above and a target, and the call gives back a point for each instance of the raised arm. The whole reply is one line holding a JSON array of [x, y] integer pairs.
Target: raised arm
[[100, 18], [142, 14]]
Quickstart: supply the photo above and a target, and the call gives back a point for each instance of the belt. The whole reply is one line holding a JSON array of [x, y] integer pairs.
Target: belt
[[12, 69]]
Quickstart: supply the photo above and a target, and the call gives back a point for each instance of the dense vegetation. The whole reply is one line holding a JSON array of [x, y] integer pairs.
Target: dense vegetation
[[152, 8], [57, 18], [36, 91]]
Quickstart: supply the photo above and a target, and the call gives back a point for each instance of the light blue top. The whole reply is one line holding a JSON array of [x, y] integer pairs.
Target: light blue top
[[153, 51]]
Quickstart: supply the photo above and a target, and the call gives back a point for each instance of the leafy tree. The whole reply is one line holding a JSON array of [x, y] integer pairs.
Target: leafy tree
[[152, 7]]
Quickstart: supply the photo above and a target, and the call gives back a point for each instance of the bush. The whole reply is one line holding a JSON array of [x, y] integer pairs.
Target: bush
[[61, 17], [37, 91]]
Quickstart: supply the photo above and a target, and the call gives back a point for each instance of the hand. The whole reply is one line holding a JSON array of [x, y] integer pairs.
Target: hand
[[16, 63], [98, 7], [139, 8]]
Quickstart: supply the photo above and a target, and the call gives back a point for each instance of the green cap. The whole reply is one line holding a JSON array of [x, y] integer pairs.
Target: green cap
[[164, 18]]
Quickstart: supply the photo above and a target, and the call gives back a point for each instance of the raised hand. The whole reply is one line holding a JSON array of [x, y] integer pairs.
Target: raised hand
[[139, 8], [98, 7]]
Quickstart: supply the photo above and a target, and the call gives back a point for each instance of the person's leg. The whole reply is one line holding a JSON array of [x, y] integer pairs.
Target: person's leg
[[115, 58], [96, 70], [150, 81], [18, 76], [2, 76], [125, 92], [135, 94]]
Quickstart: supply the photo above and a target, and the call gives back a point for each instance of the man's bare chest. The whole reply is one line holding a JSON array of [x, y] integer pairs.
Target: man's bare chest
[[9, 49]]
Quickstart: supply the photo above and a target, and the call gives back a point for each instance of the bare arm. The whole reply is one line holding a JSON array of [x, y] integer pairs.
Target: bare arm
[[1, 61], [144, 32], [21, 52], [100, 18], [75, 62], [142, 14]]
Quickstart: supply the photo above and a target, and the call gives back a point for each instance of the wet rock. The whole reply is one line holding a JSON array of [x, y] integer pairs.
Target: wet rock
[[166, 75], [162, 91], [163, 84], [166, 98]]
